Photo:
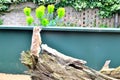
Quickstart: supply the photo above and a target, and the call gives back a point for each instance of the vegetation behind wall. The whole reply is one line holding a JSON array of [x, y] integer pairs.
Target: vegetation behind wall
[[106, 7]]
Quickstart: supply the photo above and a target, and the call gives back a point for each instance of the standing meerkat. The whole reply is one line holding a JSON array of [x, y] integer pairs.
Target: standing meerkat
[[36, 42]]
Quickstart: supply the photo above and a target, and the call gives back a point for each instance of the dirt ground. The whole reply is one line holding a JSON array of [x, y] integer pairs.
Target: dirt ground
[[4, 76]]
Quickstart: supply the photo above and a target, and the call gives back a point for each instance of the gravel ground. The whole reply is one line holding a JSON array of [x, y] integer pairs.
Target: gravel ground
[[4, 76]]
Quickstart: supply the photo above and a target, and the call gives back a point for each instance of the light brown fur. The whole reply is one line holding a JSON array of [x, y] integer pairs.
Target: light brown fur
[[36, 41]]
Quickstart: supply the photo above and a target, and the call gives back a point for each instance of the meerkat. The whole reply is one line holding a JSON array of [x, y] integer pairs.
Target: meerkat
[[36, 42]]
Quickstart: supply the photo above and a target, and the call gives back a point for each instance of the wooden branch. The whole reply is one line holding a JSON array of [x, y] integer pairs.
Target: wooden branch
[[76, 62], [67, 59], [113, 72], [53, 65], [106, 65]]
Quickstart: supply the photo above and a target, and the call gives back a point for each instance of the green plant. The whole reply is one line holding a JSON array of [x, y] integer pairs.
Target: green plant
[[29, 20], [44, 18], [4, 4], [61, 12], [1, 21], [27, 11], [3, 7], [40, 12], [44, 22], [103, 26], [50, 9], [106, 7]]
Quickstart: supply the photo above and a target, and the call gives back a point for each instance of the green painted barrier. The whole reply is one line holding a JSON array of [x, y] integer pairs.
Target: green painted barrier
[[94, 45]]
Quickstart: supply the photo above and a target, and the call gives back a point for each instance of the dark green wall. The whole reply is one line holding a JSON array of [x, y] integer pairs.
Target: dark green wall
[[93, 45], [12, 42]]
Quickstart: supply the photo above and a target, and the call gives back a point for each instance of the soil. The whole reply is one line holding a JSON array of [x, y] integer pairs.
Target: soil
[[4, 76]]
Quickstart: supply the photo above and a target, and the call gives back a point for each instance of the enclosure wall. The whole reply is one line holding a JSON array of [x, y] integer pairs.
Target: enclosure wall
[[93, 45]]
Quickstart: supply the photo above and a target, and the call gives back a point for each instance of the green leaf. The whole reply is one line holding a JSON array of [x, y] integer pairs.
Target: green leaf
[[61, 12], [27, 11], [50, 8], [99, 4], [29, 20], [40, 11], [44, 22], [6, 1]]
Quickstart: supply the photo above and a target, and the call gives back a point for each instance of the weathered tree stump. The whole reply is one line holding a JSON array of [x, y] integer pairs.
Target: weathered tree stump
[[53, 65]]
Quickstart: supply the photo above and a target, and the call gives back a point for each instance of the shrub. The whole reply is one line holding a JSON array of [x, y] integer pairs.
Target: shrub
[[45, 19], [1, 21]]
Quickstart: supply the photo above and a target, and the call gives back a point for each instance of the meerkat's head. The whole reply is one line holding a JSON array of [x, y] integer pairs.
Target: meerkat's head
[[37, 29]]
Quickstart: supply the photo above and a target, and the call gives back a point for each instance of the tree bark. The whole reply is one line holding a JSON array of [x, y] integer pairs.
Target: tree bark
[[53, 65]]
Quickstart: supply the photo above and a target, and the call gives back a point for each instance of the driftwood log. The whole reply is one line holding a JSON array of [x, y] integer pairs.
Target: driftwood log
[[53, 65]]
